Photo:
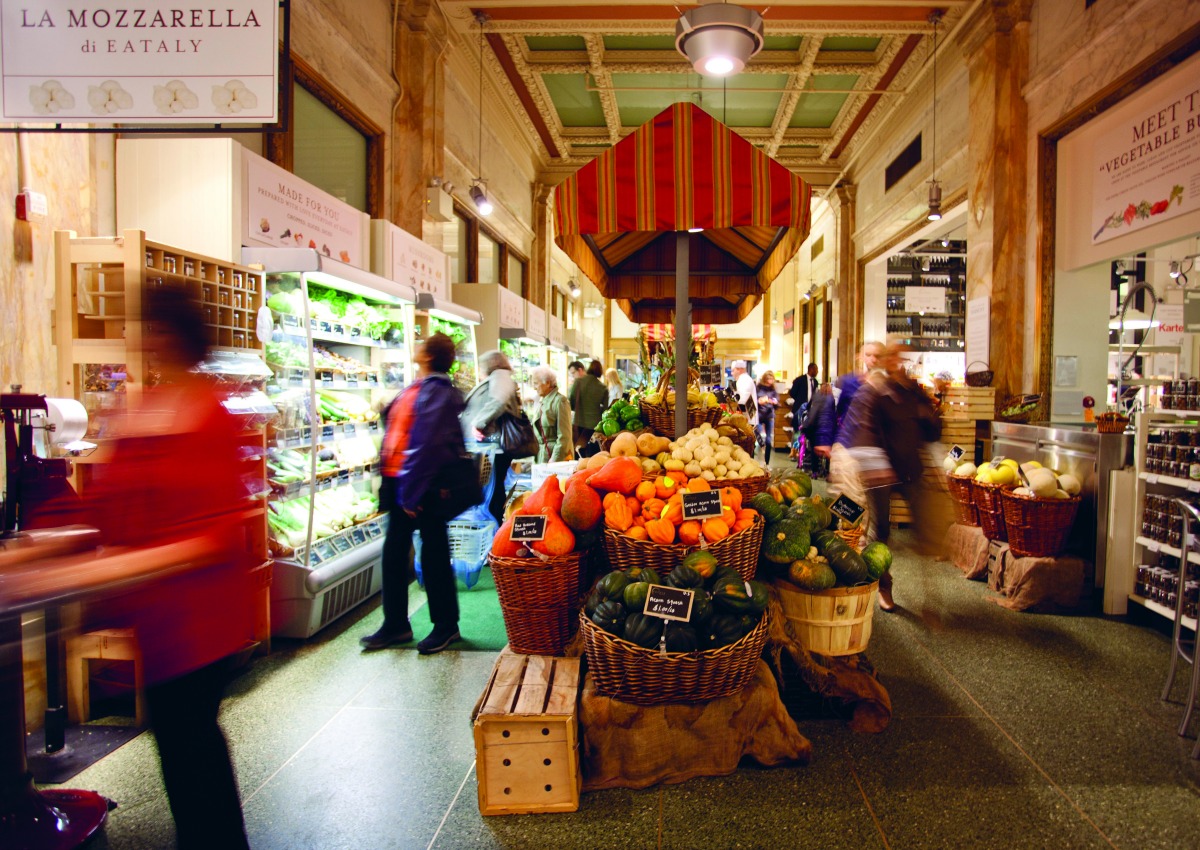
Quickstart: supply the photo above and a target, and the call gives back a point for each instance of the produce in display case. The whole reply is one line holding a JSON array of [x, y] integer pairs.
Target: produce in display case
[[458, 323], [339, 352], [504, 327], [524, 354]]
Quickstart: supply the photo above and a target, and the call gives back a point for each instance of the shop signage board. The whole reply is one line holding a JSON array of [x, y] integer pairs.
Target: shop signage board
[[535, 321], [668, 603], [979, 331], [554, 331], [925, 299], [282, 211], [139, 63], [512, 308], [789, 322], [701, 505], [846, 508], [400, 256]]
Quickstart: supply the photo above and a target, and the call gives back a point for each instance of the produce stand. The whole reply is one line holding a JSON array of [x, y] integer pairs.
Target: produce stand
[[504, 326], [340, 349]]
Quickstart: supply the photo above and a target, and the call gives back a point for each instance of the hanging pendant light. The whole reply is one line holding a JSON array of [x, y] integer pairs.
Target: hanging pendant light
[[478, 191], [719, 38], [935, 188]]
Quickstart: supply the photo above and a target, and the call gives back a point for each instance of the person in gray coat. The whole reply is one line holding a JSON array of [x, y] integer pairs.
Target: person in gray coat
[[495, 394]]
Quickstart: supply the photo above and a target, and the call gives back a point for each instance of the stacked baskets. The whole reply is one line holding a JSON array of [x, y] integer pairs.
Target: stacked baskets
[[539, 599], [963, 494], [1038, 528], [990, 509], [737, 551]]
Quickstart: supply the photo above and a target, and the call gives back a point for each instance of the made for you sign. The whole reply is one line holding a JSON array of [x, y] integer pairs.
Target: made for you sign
[[139, 63]]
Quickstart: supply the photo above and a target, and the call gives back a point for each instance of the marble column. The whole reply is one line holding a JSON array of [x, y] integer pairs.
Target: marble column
[[418, 137], [995, 44], [848, 283], [538, 284]]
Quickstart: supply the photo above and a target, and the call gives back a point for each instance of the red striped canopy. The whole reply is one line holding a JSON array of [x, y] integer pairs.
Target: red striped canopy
[[660, 330], [683, 169]]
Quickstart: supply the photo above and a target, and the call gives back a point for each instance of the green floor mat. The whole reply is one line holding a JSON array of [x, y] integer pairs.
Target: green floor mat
[[480, 621]]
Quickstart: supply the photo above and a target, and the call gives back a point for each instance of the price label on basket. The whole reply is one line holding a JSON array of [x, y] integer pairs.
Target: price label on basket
[[668, 603], [528, 528], [956, 452], [996, 461], [701, 505], [846, 508]]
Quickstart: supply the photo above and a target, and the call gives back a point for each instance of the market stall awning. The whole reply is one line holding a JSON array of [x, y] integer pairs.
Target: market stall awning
[[659, 331], [616, 217]]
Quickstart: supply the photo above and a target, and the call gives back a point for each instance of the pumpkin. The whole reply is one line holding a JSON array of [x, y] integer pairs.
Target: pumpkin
[[689, 533], [581, 507], [728, 516], [619, 474], [769, 507], [678, 476], [609, 498], [785, 541], [502, 546], [732, 497], [664, 487], [644, 491], [851, 569], [635, 507], [673, 512], [638, 532], [812, 575], [653, 508], [617, 515], [581, 475], [549, 495], [661, 531], [697, 485], [639, 521], [703, 562], [714, 530], [558, 539]]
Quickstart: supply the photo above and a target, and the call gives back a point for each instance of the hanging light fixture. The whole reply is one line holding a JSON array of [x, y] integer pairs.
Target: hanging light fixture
[[573, 288], [478, 191], [935, 189], [719, 38]]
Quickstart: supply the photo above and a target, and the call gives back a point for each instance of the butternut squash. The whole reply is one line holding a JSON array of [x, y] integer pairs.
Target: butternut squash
[[649, 445], [623, 445]]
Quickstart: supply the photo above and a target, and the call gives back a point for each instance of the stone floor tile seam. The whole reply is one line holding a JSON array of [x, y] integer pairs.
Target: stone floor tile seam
[[450, 807], [867, 802], [1024, 753], [267, 781]]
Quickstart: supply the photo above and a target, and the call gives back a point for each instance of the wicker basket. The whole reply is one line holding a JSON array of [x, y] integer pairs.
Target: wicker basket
[[538, 599], [737, 551], [853, 537], [1014, 401], [633, 674], [1111, 423], [979, 378], [746, 442], [750, 487], [830, 622], [661, 420], [962, 493], [989, 509], [1038, 528]]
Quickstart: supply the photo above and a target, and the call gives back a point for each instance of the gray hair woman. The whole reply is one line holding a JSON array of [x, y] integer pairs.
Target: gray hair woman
[[552, 418], [494, 395]]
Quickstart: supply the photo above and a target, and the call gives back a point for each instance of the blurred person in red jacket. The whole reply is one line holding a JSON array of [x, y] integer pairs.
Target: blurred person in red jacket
[[173, 481]]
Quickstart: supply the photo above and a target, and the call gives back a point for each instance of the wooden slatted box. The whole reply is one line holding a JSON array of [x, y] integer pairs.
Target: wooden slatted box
[[969, 403], [527, 736]]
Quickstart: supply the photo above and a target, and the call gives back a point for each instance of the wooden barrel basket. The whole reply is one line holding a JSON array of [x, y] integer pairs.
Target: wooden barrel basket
[[830, 622]]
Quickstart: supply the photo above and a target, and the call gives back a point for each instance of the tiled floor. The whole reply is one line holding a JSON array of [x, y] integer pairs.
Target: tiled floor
[[1010, 731]]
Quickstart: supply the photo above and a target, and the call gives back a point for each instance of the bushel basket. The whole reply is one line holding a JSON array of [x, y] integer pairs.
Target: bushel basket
[[836, 621], [963, 496], [990, 510], [538, 599], [737, 551], [1038, 528], [661, 417], [641, 676]]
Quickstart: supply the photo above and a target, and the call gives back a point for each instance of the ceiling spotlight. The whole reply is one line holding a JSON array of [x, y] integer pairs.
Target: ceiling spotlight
[[481, 199], [573, 287], [719, 38], [945, 242], [1174, 269], [935, 201], [924, 264]]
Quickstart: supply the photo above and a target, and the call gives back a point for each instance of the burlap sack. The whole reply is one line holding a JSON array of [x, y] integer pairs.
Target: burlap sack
[[1043, 584], [967, 548]]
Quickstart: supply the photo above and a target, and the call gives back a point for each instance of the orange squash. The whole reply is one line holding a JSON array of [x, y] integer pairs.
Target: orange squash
[[661, 531], [639, 521], [617, 514], [581, 475], [621, 474], [689, 532], [609, 498], [678, 476], [653, 508], [697, 485], [635, 507], [714, 530], [558, 540], [746, 514], [673, 512], [741, 525], [502, 546], [581, 507], [664, 487], [732, 497], [638, 532], [549, 495], [728, 516], [644, 491]]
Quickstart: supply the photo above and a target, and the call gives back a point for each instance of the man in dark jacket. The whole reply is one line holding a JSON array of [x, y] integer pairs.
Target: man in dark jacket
[[820, 428]]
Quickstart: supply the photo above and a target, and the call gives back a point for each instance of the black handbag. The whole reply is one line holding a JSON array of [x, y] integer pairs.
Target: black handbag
[[455, 488], [515, 434]]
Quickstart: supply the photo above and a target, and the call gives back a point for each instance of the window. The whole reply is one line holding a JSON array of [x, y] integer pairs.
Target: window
[[489, 259], [902, 164], [516, 273]]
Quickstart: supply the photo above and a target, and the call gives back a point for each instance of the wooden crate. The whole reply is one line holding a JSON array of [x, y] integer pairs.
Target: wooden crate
[[527, 736], [969, 403]]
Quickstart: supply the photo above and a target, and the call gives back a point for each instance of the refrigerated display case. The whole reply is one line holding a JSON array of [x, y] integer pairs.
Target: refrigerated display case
[[433, 315], [340, 349], [504, 327]]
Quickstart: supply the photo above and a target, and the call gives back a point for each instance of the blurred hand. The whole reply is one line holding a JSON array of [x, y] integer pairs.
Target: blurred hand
[[823, 451]]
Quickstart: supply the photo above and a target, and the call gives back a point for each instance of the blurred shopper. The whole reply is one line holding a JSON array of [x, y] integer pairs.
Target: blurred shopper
[[423, 437], [868, 358], [552, 418], [801, 392], [496, 394], [745, 391], [588, 398], [174, 482], [768, 402], [893, 422], [820, 428], [612, 381]]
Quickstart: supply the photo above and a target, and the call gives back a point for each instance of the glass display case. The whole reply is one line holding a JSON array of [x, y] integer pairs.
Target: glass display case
[[434, 315], [340, 350], [524, 353]]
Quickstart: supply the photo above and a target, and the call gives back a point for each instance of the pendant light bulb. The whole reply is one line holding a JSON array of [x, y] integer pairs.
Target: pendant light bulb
[[481, 200], [935, 201]]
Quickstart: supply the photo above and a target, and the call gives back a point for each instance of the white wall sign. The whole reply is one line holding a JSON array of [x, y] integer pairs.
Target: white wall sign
[[979, 330], [512, 308], [139, 63], [1171, 329], [419, 264], [925, 299], [1146, 166], [282, 210], [535, 321], [554, 331]]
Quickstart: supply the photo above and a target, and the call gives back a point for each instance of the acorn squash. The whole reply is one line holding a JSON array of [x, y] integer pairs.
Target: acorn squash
[[785, 541], [680, 637], [612, 586], [849, 566], [723, 629], [685, 578], [643, 630], [610, 616]]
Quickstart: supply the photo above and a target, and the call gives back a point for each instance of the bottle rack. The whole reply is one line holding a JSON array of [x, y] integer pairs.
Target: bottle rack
[[927, 331]]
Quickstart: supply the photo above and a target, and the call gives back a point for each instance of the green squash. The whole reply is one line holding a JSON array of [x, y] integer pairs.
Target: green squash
[[593, 601], [680, 637], [749, 622], [732, 598], [723, 630], [785, 541], [635, 595], [771, 510], [685, 578], [610, 616], [724, 574], [849, 566], [612, 586], [878, 558], [643, 630], [646, 574], [760, 596], [702, 611], [702, 561], [803, 479], [812, 575], [822, 539]]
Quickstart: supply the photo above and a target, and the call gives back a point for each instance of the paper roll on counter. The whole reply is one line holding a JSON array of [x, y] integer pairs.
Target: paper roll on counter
[[66, 421]]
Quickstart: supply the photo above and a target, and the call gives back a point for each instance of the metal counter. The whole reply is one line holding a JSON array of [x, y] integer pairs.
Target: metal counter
[[1088, 455]]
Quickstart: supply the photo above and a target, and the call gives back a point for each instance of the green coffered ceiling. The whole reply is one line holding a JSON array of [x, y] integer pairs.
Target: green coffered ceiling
[[585, 75]]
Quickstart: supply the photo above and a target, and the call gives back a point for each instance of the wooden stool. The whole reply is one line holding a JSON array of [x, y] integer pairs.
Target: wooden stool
[[110, 645]]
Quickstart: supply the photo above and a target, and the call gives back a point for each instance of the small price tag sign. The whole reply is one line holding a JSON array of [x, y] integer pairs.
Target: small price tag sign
[[325, 377], [355, 333], [372, 378], [701, 505], [956, 452], [339, 330], [374, 529], [324, 327], [373, 426], [669, 603], [1193, 486], [996, 461], [341, 544], [343, 476], [314, 558], [326, 432], [352, 380], [289, 321], [358, 536], [846, 508], [528, 528]]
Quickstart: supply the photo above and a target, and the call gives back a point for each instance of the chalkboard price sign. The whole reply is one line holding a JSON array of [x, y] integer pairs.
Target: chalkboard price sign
[[528, 528], [668, 603], [957, 452], [846, 508], [700, 505]]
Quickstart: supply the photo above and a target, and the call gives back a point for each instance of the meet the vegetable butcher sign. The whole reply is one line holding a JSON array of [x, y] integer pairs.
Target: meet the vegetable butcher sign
[[71, 61]]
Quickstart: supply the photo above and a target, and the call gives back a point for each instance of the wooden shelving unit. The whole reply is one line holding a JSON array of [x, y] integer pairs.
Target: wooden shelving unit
[[939, 330]]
